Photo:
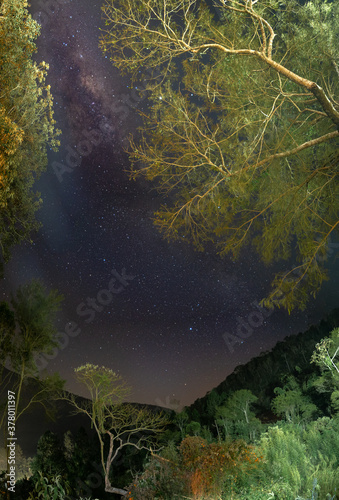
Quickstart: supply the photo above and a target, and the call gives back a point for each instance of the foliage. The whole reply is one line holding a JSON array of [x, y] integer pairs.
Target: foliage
[[210, 465], [51, 487], [262, 374], [197, 469], [284, 463], [27, 126], [236, 417], [286, 458], [75, 459], [290, 402], [7, 327], [287, 462], [23, 488], [181, 420], [33, 313], [326, 353], [326, 357], [80, 453], [241, 132], [291, 462], [50, 459], [160, 479]]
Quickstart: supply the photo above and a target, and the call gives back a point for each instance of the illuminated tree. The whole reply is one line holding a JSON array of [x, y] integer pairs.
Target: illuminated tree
[[326, 356], [236, 415], [291, 403], [26, 123], [242, 125], [124, 424]]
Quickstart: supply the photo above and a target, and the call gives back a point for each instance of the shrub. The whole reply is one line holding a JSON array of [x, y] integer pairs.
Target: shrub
[[51, 487]]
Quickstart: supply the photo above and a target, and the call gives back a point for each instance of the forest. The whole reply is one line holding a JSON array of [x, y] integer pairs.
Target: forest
[[270, 430], [240, 137]]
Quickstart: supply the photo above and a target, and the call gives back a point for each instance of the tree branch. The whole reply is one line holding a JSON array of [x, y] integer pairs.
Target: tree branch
[[296, 150]]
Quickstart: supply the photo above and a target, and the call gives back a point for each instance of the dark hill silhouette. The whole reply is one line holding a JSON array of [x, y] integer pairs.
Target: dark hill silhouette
[[266, 371]]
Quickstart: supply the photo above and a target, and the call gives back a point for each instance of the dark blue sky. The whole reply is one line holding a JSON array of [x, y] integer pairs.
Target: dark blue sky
[[158, 313]]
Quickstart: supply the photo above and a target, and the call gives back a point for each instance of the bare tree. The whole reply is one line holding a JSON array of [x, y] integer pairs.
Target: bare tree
[[125, 424]]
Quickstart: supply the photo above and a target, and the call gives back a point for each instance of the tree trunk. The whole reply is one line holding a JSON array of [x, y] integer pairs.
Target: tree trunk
[[111, 489], [108, 487]]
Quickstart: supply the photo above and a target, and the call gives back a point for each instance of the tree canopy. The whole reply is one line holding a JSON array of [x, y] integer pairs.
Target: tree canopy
[[241, 132], [27, 126]]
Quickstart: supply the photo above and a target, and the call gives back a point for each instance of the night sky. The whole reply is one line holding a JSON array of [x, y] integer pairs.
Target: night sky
[[155, 312]]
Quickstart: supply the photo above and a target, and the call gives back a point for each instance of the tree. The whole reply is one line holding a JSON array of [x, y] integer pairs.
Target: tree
[[241, 132], [50, 457], [27, 126], [236, 415], [326, 356], [290, 402], [181, 421], [7, 327], [239, 404], [225, 420], [213, 400], [124, 424], [193, 428], [27, 329]]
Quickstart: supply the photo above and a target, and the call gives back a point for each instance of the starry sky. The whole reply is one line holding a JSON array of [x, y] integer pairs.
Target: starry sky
[[158, 313]]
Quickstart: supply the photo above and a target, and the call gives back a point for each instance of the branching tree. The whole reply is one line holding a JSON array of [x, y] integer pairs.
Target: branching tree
[[237, 416], [27, 126], [26, 330], [326, 356], [242, 128], [124, 424], [291, 403]]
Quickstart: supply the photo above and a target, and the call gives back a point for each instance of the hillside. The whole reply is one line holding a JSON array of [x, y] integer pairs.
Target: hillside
[[267, 371]]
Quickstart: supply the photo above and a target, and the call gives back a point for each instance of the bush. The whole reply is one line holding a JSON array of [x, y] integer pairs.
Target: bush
[[197, 469], [51, 487]]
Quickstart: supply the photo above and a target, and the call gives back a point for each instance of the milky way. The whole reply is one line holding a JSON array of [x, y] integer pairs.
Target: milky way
[[166, 330]]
